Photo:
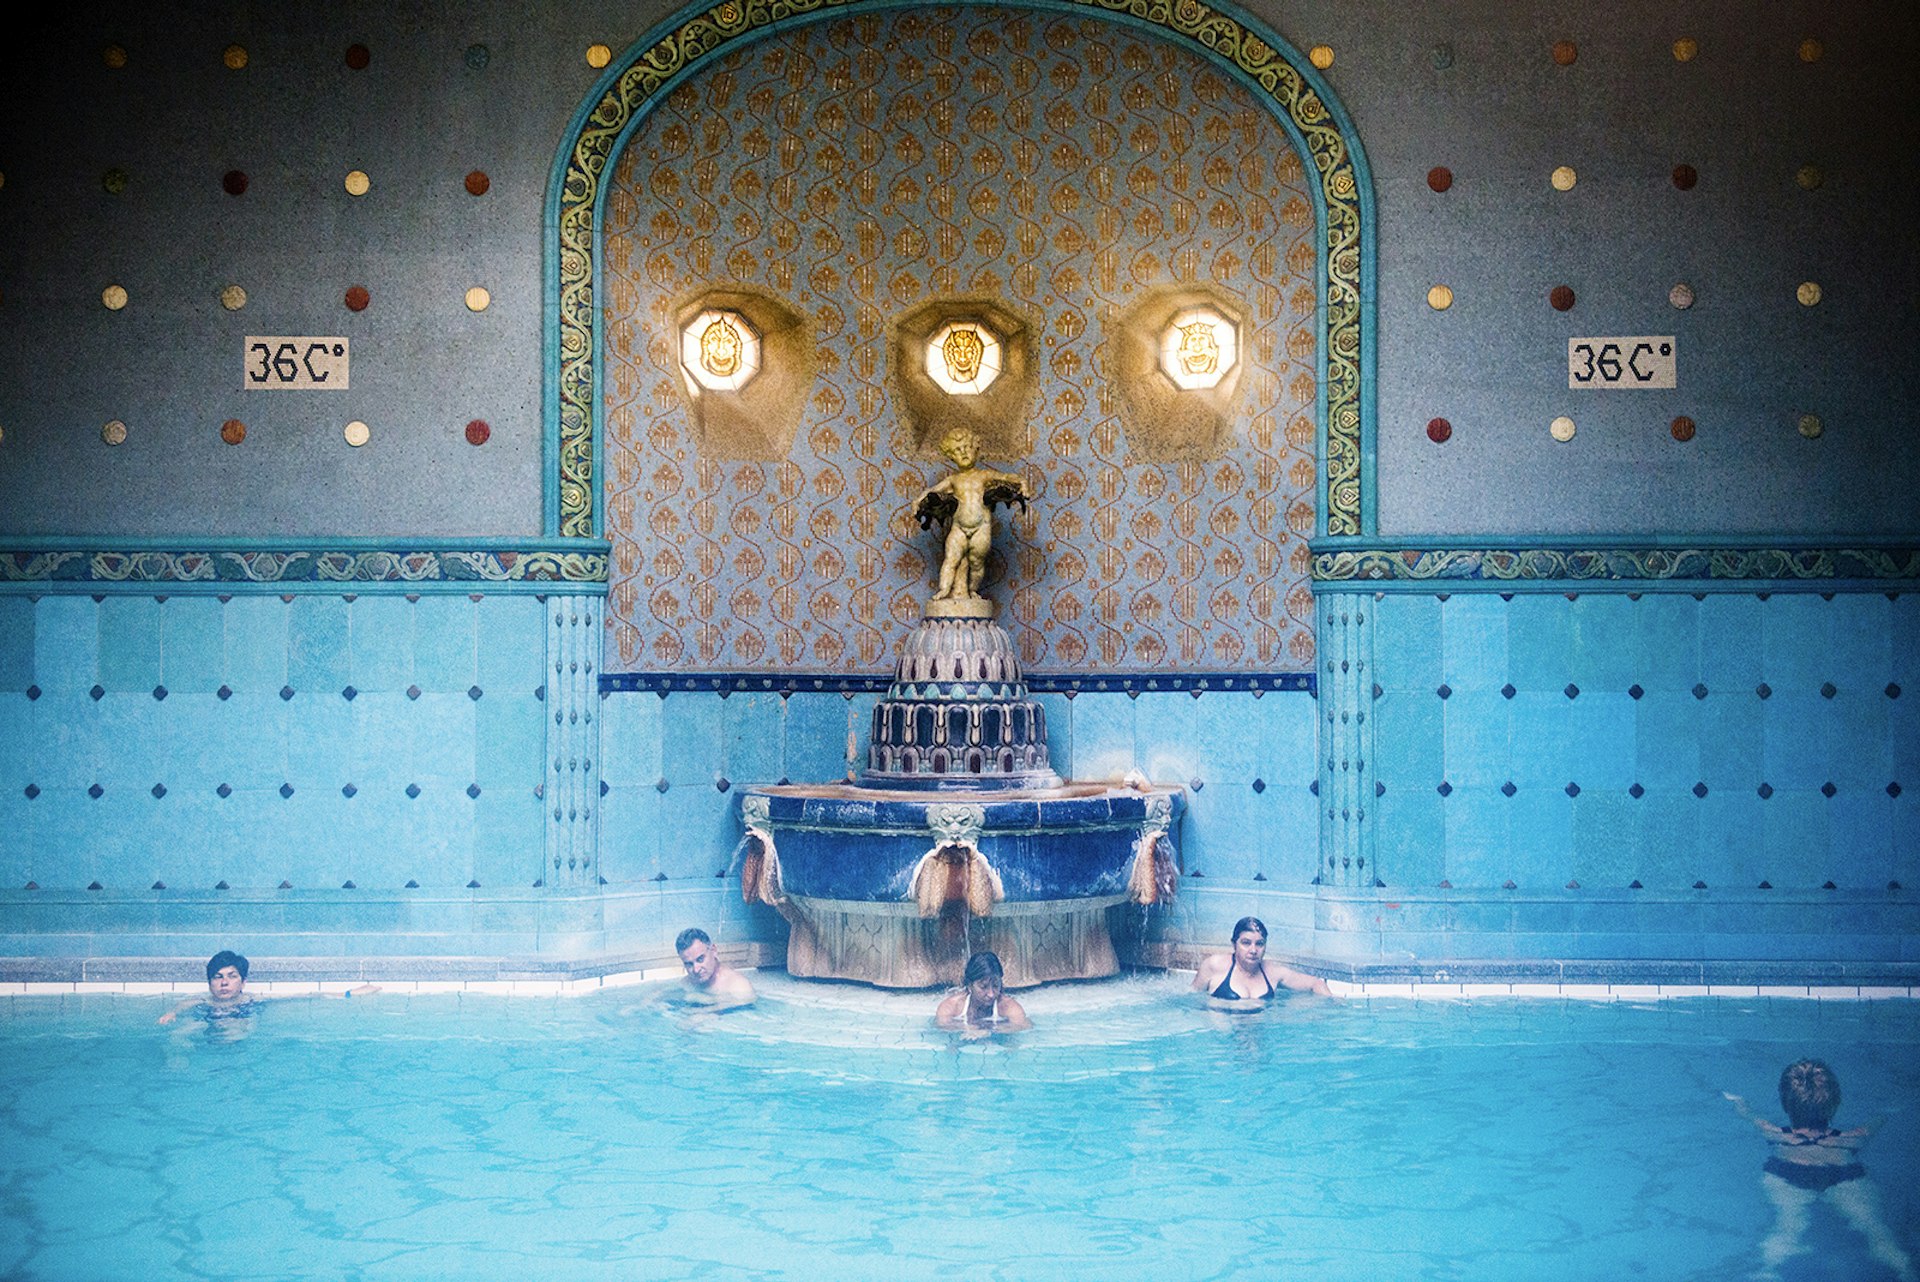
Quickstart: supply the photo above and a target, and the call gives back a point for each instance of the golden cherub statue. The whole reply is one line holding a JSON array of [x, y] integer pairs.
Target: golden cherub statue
[[965, 499]]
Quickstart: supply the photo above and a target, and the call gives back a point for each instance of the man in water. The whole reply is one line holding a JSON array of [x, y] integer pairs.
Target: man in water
[[227, 996], [710, 981], [981, 1006]]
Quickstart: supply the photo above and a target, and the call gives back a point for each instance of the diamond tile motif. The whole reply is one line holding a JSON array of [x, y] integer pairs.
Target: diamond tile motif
[[604, 790], [284, 885], [1634, 692], [474, 884], [1893, 691], [1766, 790], [663, 785], [1507, 691], [286, 790], [348, 791], [413, 790], [1573, 790], [225, 790], [158, 885], [1507, 789], [1764, 690], [33, 692], [473, 790], [1379, 789], [411, 884], [286, 692], [1765, 885], [722, 783], [1827, 690], [1195, 784], [474, 693], [1259, 785], [97, 693], [1893, 790], [32, 792], [1445, 789], [1313, 786], [540, 693], [348, 694], [224, 693], [96, 792], [1636, 791], [348, 885], [159, 791], [1827, 789], [1445, 691], [1700, 691], [94, 885], [413, 692], [1635, 885], [159, 693], [1572, 691], [1700, 790]]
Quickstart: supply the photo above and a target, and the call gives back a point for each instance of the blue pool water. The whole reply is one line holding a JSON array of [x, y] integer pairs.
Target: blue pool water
[[829, 1133]]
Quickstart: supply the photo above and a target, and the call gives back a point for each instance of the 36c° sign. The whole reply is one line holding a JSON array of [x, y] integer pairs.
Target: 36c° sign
[[279, 363], [1622, 362]]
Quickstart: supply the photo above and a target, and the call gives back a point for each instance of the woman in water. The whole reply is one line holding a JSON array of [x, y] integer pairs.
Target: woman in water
[[980, 1006], [1245, 974]]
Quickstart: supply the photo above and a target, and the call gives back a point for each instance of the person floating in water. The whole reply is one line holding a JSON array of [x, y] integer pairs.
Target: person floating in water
[[710, 981], [965, 498], [980, 1006], [1813, 1162], [1245, 974], [227, 996]]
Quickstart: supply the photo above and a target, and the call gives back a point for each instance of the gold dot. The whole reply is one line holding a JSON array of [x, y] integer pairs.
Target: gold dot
[[235, 57], [358, 183], [114, 297], [1685, 49], [1561, 428], [598, 56], [113, 432], [233, 298], [1811, 426], [1809, 177], [1808, 293], [357, 433], [1321, 56], [477, 299], [1564, 178], [1811, 50], [1681, 296], [114, 56], [1439, 298]]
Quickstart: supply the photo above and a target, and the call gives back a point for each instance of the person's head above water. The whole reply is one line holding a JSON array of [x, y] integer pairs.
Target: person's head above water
[[697, 955], [984, 966], [1246, 924], [226, 973], [1810, 1093]]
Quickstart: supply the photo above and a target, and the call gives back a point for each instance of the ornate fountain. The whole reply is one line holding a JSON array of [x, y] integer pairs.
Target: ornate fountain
[[958, 836]]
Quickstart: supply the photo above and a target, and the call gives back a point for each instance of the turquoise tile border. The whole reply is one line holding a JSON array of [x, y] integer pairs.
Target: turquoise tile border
[[268, 565], [1467, 563]]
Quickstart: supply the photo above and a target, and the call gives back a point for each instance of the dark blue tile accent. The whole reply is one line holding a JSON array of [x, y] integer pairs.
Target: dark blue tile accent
[[1634, 691], [1893, 690], [1827, 789], [1260, 785], [1572, 691], [1573, 789], [1699, 690], [1700, 790], [349, 791], [33, 692], [413, 790], [1507, 789], [225, 791], [1636, 791], [1764, 690], [662, 786], [349, 694], [224, 693], [473, 790], [474, 693], [159, 791], [96, 792], [286, 790], [32, 791], [1445, 691], [1766, 791], [1445, 789], [1507, 691], [1893, 790], [1827, 690], [413, 692], [97, 693], [159, 693], [286, 692]]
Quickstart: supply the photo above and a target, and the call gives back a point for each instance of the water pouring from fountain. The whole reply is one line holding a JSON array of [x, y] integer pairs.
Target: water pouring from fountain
[[958, 836]]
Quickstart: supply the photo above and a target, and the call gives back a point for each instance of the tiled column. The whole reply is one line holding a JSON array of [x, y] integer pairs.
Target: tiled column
[[572, 790], [1346, 782]]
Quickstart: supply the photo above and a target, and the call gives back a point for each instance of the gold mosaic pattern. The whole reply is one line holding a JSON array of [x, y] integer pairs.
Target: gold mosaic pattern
[[858, 168]]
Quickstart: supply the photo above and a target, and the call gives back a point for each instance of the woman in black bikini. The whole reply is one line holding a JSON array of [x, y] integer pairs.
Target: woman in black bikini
[[1812, 1161], [1245, 974]]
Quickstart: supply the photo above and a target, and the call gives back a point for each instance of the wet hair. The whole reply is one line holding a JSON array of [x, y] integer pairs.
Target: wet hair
[[1246, 924], [1810, 1093], [689, 937], [982, 966], [223, 959]]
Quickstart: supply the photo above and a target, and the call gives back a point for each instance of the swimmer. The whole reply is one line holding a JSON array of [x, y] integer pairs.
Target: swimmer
[[227, 996], [710, 981], [1245, 974], [1813, 1162], [980, 1006]]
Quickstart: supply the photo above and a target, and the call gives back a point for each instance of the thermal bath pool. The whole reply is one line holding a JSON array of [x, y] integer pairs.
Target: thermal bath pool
[[829, 1133]]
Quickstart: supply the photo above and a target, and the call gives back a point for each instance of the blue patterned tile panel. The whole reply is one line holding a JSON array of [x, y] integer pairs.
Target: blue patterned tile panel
[[510, 639], [1732, 750], [193, 643], [1473, 632], [1903, 735], [317, 655], [66, 644], [700, 828], [443, 738], [129, 643], [65, 754], [19, 754], [1103, 736], [629, 737], [818, 725], [130, 733], [1600, 646], [1796, 750], [1607, 831], [445, 655], [380, 642], [17, 624], [1670, 835], [439, 835], [1666, 640], [1166, 742], [1729, 625], [1541, 724], [383, 737], [1540, 830], [509, 837], [1860, 824], [1667, 739], [1058, 710], [1478, 736], [1602, 741], [1797, 850], [1478, 838], [320, 743], [1731, 854], [1406, 642], [1407, 740], [251, 751], [1539, 642], [1289, 743], [1903, 631], [1410, 837], [1858, 740], [693, 746], [1287, 822], [510, 741], [1794, 632], [631, 831], [1226, 728], [754, 726], [256, 628]]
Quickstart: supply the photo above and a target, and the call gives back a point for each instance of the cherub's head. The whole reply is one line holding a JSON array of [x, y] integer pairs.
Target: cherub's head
[[1810, 1094], [961, 445]]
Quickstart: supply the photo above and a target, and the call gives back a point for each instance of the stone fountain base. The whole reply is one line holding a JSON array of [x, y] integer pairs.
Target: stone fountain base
[[893, 946]]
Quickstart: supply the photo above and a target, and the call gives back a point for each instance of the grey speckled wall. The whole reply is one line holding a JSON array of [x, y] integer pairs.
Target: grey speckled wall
[[1747, 113]]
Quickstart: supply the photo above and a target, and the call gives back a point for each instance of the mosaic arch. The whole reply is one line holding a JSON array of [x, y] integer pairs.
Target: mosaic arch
[[1089, 181]]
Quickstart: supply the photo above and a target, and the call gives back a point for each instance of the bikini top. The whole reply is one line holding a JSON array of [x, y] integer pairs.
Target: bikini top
[[1225, 991]]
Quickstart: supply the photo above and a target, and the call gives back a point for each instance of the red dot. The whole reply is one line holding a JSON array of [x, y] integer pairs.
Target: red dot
[[1438, 430], [478, 432], [1562, 298], [358, 57], [233, 431], [358, 298], [1565, 52], [1439, 178], [1682, 428], [1685, 176], [477, 183], [235, 181]]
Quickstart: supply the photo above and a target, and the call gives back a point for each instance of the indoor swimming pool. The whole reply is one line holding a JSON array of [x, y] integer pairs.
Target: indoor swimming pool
[[830, 1133]]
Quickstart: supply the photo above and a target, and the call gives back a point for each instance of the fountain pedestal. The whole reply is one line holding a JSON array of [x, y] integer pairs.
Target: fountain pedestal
[[958, 837]]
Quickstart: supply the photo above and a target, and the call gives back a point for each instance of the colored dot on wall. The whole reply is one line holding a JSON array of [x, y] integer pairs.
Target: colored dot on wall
[[1440, 298], [1442, 55], [357, 434], [1682, 428], [358, 183], [1685, 176], [1564, 178], [1685, 49], [234, 182], [1561, 297], [1321, 56], [114, 297], [1811, 50], [478, 432], [114, 56], [1809, 177], [1438, 430], [478, 182], [358, 57], [1565, 53], [233, 298], [1681, 296], [1811, 426], [114, 181], [233, 431], [1561, 429], [598, 56], [478, 299], [478, 56], [1439, 178], [1808, 293], [235, 57], [113, 432], [357, 298]]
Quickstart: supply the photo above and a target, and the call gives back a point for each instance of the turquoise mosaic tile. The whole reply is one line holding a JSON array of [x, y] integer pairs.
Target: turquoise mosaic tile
[[509, 740], [1473, 631], [1670, 832], [1406, 642], [1794, 634], [63, 740], [129, 642], [1103, 735], [509, 636], [1478, 840], [1478, 736], [118, 835], [1288, 822], [251, 751], [1540, 830], [19, 755], [320, 742], [1606, 828], [816, 744], [1729, 624], [1289, 731], [1732, 850], [629, 738], [193, 642], [376, 845], [1860, 824], [1541, 740], [693, 741], [1667, 724], [444, 652], [1732, 753], [383, 737], [256, 628], [1226, 730], [1666, 641], [131, 734], [1602, 741], [754, 726], [1407, 739], [1600, 652], [1166, 742], [317, 656], [66, 643], [509, 835], [1058, 710], [1539, 641], [443, 738], [380, 643], [439, 849], [1409, 843], [1859, 745], [1795, 745], [17, 623], [703, 827]]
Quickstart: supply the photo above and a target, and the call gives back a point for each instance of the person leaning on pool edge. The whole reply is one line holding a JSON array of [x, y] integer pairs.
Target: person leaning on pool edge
[[710, 981], [981, 1005], [227, 989], [1245, 974]]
